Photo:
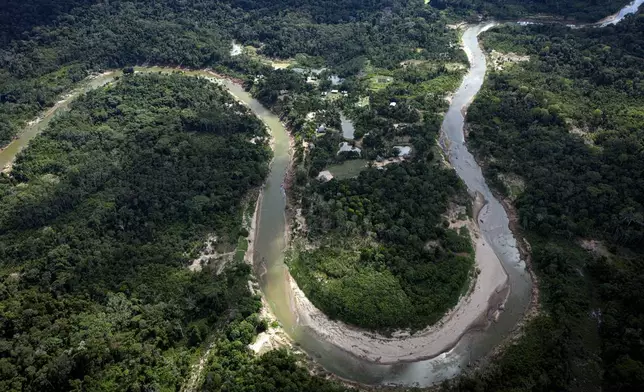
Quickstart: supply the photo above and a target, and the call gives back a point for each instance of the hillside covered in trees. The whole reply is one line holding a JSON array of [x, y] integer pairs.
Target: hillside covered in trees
[[588, 11]]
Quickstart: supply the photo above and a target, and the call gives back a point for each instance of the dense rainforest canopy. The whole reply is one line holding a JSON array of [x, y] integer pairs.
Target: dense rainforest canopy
[[48, 45], [386, 260], [97, 221], [37, 64], [102, 212], [568, 10], [571, 123]]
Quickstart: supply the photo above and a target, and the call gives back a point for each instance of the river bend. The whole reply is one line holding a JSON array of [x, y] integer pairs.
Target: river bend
[[270, 239]]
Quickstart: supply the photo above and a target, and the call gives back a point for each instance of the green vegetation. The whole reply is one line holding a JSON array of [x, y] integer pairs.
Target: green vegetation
[[102, 212], [96, 221], [127, 180], [354, 290], [371, 224], [348, 169], [574, 110], [47, 51], [386, 258], [240, 252], [570, 122], [378, 81], [232, 369], [384, 227]]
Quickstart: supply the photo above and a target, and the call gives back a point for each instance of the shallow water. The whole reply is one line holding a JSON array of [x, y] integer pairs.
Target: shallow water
[[346, 147], [348, 130], [403, 150], [624, 12]]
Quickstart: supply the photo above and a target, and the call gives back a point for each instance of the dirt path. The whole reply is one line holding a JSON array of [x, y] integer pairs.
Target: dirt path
[[197, 370]]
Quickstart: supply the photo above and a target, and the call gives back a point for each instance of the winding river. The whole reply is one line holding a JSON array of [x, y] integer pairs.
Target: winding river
[[494, 225], [270, 237]]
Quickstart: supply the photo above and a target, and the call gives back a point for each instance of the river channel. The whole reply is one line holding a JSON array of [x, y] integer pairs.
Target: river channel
[[494, 225], [270, 240]]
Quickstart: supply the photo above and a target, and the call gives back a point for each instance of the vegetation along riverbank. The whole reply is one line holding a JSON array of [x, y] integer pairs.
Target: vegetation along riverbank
[[129, 184]]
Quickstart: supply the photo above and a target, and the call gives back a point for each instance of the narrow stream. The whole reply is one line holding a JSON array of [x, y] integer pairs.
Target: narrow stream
[[270, 240]]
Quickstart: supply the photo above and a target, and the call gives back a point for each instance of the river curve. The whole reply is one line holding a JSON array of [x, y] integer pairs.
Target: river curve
[[494, 225], [270, 240], [275, 280]]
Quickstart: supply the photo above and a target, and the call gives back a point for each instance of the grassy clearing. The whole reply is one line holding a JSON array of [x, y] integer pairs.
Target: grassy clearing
[[441, 84], [242, 247], [455, 66], [363, 101], [348, 169], [378, 82], [251, 52]]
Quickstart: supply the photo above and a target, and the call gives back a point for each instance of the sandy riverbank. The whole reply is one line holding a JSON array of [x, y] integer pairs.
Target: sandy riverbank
[[252, 230], [274, 337], [475, 310]]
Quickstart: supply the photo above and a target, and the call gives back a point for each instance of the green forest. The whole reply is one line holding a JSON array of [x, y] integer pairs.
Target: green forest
[[102, 213], [98, 220], [48, 45], [564, 10], [46, 53], [386, 257], [366, 220]]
